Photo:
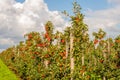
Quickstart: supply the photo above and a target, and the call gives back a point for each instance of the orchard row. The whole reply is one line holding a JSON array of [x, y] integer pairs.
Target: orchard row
[[67, 55]]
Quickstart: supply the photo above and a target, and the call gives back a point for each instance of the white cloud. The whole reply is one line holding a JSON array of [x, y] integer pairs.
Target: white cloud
[[1, 50], [107, 19], [114, 1], [18, 19], [6, 41]]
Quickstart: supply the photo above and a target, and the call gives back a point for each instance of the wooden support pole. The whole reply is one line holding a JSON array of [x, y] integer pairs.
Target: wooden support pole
[[82, 60], [71, 55], [46, 63]]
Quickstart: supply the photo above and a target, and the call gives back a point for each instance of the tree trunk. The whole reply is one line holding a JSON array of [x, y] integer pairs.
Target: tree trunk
[[108, 48], [58, 43], [67, 48]]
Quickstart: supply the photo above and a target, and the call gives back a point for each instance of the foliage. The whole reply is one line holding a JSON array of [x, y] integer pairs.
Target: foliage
[[65, 55]]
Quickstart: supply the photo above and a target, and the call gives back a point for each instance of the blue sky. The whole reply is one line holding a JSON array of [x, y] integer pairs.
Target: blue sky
[[19, 17], [21, 1], [67, 4], [61, 5]]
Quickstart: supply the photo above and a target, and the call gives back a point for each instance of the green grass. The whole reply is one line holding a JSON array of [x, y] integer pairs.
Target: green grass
[[5, 73]]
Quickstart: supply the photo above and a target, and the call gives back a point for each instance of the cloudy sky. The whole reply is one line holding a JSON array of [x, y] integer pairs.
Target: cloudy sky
[[18, 17]]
